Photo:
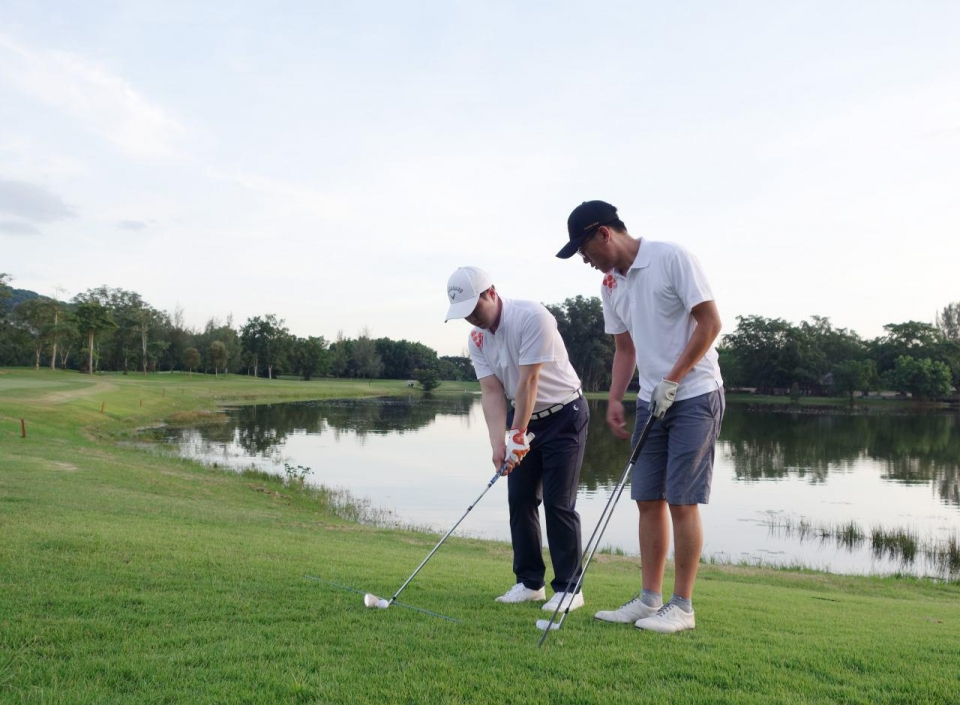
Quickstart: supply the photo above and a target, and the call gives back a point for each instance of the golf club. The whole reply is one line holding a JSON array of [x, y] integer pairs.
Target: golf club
[[371, 600], [547, 625]]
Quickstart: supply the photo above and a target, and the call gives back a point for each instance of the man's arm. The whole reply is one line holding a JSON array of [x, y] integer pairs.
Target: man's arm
[[525, 397], [494, 405], [624, 365], [708, 328]]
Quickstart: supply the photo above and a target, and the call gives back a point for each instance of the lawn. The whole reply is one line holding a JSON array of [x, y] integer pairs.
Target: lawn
[[127, 576]]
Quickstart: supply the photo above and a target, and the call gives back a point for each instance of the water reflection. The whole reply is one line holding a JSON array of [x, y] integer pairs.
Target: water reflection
[[825, 469], [259, 430], [911, 448]]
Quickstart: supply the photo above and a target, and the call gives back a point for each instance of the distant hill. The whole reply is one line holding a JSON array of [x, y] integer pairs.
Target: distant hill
[[19, 295]]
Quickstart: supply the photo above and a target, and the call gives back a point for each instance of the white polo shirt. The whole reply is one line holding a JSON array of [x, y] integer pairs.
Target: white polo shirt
[[653, 303], [527, 335]]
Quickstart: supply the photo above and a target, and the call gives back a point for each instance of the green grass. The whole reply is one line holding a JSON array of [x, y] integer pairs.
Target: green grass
[[131, 577]]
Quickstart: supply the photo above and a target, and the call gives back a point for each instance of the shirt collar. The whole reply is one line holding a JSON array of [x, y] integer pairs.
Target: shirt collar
[[642, 260]]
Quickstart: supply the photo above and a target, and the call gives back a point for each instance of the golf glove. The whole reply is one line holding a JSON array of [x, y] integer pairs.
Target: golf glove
[[663, 396], [518, 444]]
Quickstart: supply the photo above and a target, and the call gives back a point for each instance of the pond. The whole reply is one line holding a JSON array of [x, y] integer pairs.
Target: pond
[[870, 493]]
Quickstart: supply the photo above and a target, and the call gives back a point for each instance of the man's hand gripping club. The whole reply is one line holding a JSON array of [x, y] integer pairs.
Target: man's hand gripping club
[[518, 445]]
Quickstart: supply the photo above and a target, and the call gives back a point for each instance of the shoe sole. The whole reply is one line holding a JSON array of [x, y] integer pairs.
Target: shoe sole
[[667, 631]]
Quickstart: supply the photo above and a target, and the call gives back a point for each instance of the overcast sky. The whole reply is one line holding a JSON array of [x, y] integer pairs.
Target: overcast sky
[[334, 162]]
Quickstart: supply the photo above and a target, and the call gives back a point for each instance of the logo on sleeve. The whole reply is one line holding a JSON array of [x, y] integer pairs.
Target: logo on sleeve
[[610, 282], [477, 339]]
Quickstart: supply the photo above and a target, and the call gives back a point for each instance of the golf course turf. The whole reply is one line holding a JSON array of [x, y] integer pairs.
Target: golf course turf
[[131, 576]]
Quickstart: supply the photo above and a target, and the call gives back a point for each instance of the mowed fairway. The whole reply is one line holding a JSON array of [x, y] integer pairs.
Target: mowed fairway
[[131, 577]]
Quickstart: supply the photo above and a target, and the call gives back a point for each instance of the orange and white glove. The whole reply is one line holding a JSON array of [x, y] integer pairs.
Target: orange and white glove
[[518, 445]]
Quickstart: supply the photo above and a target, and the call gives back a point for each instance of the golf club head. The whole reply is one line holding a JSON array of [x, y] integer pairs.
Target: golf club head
[[544, 624], [371, 600]]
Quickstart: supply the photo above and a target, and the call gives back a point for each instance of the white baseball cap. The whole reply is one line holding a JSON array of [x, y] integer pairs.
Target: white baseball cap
[[463, 290]]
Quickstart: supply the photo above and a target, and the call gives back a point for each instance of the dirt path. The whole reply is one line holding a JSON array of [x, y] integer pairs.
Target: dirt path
[[63, 397]]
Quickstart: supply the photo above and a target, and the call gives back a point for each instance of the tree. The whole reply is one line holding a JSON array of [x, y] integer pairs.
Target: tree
[[223, 333], [401, 358], [191, 358], [580, 323], [218, 356], [35, 318], [146, 321], [852, 376], [948, 322], [56, 331], [923, 378], [366, 361], [266, 341], [341, 353], [429, 378], [761, 352], [67, 336], [913, 339], [5, 294], [92, 318], [311, 357], [457, 368]]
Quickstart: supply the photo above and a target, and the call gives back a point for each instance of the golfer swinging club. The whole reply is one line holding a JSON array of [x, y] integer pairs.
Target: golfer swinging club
[[519, 357]]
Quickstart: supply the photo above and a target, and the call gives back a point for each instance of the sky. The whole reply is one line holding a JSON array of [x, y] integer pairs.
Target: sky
[[333, 162]]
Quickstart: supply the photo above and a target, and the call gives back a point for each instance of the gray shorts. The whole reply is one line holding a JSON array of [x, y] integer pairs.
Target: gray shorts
[[676, 463]]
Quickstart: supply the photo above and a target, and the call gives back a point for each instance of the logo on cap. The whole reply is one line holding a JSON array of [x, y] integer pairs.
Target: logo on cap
[[453, 291]]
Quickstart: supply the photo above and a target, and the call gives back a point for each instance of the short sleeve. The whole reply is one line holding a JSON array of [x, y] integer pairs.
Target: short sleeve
[[688, 279], [538, 335], [475, 347]]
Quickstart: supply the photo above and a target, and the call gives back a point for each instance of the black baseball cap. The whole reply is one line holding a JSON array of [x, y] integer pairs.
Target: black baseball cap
[[584, 219]]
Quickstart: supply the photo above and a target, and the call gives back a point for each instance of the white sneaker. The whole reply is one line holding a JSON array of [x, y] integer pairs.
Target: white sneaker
[[668, 619], [628, 613], [575, 603], [521, 593]]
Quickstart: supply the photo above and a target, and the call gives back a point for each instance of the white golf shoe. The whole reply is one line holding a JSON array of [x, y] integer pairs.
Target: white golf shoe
[[521, 593], [668, 619], [575, 603], [628, 613]]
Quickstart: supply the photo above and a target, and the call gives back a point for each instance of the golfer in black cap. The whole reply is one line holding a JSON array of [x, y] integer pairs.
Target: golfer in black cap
[[659, 307]]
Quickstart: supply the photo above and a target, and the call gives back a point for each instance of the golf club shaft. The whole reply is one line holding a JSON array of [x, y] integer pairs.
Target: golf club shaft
[[594, 541], [452, 529]]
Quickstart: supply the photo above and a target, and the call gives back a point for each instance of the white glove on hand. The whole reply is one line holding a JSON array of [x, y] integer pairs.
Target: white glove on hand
[[518, 445], [663, 396]]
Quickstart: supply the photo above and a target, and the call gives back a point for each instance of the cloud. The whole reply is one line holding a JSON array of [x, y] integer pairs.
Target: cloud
[[105, 103], [13, 227], [131, 224], [31, 202]]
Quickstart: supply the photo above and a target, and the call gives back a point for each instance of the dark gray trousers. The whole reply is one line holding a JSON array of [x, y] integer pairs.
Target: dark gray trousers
[[549, 475]]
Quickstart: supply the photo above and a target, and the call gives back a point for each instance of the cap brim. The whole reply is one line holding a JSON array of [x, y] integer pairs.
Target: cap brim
[[570, 249], [462, 309]]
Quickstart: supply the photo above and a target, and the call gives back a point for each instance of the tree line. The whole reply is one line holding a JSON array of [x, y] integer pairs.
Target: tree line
[[814, 358], [107, 329], [117, 330]]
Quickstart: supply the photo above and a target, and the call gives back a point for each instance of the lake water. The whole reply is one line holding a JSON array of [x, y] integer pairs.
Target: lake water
[[781, 479]]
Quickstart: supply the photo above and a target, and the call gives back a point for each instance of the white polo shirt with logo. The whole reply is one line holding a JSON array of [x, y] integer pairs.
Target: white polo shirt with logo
[[653, 303], [527, 335]]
